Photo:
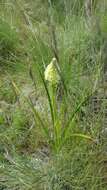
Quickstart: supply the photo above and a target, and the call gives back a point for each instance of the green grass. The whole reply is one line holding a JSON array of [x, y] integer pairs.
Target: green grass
[[50, 137]]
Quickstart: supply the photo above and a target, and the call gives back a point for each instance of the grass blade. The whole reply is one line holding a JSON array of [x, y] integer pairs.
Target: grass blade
[[48, 95], [83, 136], [35, 112], [66, 128]]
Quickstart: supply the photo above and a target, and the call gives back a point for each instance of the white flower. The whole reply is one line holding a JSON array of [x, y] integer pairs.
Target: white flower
[[51, 73]]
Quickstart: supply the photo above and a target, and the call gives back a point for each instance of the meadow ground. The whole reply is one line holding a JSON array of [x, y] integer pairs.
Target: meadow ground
[[53, 119]]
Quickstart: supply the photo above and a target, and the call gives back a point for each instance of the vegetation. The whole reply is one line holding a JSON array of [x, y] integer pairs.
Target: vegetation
[[53, 95]]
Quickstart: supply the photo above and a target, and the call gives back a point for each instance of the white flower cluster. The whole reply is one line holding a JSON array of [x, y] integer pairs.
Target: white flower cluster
[[51, 73]]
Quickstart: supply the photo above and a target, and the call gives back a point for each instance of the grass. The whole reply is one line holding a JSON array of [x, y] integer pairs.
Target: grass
[[50, 136]]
